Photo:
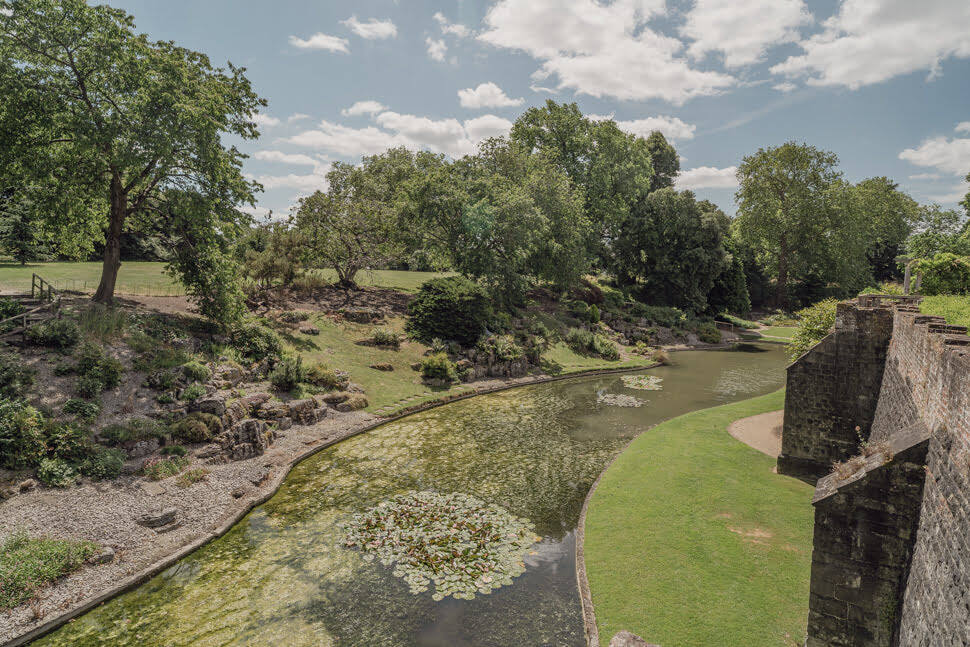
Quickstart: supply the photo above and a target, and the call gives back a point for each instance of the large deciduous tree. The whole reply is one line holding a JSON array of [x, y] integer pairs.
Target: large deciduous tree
[[785, 210], [889, 215], [103, 125]]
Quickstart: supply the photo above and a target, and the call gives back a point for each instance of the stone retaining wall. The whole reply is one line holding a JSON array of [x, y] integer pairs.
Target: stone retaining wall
[[891, 559]]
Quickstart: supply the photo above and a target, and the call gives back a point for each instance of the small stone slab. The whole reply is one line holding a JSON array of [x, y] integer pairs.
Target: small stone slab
[[627, 639], [157, 519], [106, 556]]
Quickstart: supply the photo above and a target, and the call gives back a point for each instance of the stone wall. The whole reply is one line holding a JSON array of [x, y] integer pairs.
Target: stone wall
[[891, 559], [832, 389]]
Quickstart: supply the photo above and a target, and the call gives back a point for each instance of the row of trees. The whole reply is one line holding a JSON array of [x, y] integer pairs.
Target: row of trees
[[108, 137]]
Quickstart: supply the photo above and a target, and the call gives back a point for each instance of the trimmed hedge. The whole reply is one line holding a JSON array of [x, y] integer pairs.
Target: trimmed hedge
[[451, 308]]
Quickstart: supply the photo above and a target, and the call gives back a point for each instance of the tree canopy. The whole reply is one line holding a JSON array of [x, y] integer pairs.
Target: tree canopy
[[106, 128]]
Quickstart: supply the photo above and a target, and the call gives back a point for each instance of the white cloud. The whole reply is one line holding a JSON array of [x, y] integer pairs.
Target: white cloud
[[869, 41], [451, 28], [708, 177], [265, 120], [601, 49], [297, 116], [542, 89], [926, 176], [363, 108], [486, 95], [942, 153], [963, 127], [436, 48], [956, 194], [671, 127], [311, 182], [742, 30], [785, 86], [321, 41], [287, 158], [449, 136], [371, 29]]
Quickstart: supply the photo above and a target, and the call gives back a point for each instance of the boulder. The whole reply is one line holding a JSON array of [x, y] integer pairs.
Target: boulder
[[27, 486], [362, 315], [255, 399], [382, 366], [272, 410], [303, 411], [627, 639], [105, 556], [157, 519], [353, 387], [240, 491], [214, 404], [284, 423], [310, 330], [142, 448], [246, 439], [335, 397], [236, 410], [229, 373], [355, 402]]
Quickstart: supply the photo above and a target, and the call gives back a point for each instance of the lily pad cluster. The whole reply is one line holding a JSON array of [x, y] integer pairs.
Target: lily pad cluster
[[457, 542], [643, 382], [619, 400]]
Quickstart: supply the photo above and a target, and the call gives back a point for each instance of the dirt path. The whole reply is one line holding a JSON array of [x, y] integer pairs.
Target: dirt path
[[763, 432]]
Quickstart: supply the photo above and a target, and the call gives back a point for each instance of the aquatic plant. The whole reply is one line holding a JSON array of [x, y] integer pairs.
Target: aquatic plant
[[461, 544], [619, 400], [643, 382]]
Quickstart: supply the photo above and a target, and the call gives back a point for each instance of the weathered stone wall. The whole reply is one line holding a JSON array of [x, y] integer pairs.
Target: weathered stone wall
[[891, 560], [832, 389]]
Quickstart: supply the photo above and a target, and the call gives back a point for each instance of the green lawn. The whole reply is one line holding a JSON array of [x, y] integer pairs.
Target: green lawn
[[778, 332], [692, 541], [144, 278], [955, 309]]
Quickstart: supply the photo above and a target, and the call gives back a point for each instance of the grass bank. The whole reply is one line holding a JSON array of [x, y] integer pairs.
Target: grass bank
[[778, 332], [691, 540], [27, 564], [956, 309]]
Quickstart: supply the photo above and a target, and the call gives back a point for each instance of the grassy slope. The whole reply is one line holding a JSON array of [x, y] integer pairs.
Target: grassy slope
[[780, 332], [145, 278], [955, 309], [389, 391], [665, 549]]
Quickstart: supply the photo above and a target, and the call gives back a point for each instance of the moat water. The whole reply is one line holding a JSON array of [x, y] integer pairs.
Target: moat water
[[282, 577]]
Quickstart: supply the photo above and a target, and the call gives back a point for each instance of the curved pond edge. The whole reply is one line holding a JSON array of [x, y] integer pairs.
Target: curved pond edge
[[148, 572]]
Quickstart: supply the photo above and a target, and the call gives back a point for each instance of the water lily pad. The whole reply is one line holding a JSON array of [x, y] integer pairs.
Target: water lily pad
[[643, 382], [460, 543], [619, 400]]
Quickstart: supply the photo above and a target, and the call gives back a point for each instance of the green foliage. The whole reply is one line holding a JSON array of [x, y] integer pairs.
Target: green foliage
[[287, 373], [142, 131], [606, 348], [944, 273], [15, 377], [10, 307], [132, 430], [730, 290], [55, 333], [659, 315], [28, 564], [814, 323], [192, 392], [82, 409], [56, 472], [438, 367], [594, 314], [955, 309], [196, 371], [670, 251], [319, 375], [96, 370], [738, 322], [280, 258], [890, 215], [67, 441], [174, 450], [104, 464], [452, 308], [707, 332], [197, 427], [156, 469], [103, 322], [22, 440], [21, 234], [387, 338], [937, 231], [255, 341], [187, 479], [501, 347], [586, 342]]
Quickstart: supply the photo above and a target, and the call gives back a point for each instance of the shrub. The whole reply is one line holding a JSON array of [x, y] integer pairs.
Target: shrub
[[174, 450], [22, 442], [501, 347], [452, 308], [384, 337], [323, 377], [96, 371], [82, 409], [197, 427], [438, 367], [944, 273], [10, 307], [294, 316], [56, 333], [815, 322], [707, 332], [196, 371], [606, 348], [255, 341], [186, 479], [744, 324], [287, 373], [68, 441], [27, 564], [63, 368], [56, 472], [133, 430], [593, 314], [103, 322], [579, 339], [192, 392], [104, 464], [156, 468], [659, 315], [15, 377]]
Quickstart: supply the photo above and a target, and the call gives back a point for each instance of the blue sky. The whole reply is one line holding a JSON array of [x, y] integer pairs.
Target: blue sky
[[885, 84]]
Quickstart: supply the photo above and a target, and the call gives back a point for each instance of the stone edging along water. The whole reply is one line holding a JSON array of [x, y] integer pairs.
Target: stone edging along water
[[147, 573]]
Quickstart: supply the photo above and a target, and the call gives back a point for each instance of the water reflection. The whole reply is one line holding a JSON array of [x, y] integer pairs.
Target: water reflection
[[281, 577]]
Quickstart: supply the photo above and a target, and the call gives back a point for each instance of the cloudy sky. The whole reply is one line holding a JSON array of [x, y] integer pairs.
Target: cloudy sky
[[885, 84]]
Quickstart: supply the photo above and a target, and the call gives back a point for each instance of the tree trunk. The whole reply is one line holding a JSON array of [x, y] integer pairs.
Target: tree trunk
[[781, 292], [112, 242]]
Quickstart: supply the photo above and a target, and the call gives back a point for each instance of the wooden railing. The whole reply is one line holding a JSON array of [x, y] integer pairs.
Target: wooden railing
[[41, 289], [49, 308]]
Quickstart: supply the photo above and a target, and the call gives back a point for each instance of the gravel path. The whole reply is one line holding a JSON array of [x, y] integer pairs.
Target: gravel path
[[763, 432]]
